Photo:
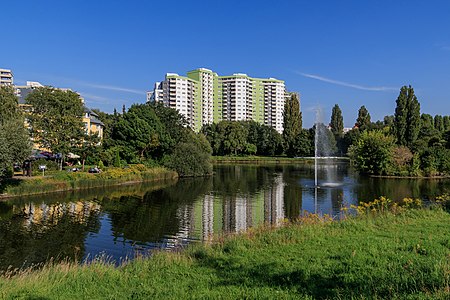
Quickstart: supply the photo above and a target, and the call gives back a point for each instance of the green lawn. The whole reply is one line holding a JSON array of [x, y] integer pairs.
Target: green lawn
[[404, 256]]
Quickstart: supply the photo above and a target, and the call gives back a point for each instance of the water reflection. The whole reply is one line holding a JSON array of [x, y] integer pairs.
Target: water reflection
[[126, 220]]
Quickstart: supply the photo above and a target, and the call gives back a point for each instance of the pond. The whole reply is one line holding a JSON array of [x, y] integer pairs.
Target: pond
[[124, 221]]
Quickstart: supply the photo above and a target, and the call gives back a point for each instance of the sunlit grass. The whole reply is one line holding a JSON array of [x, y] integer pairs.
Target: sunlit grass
[[63, 181], [375, 255]]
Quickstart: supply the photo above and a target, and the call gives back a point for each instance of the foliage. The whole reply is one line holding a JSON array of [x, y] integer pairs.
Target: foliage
[[15, 144], [191, 157], [154, 134], [372, 153], [304, 144], [56, 119], [391, 256], [66, 181], [407, 117], [292, 123], [243, 138], [363, 119], [402, 159], [50, 164], [139, 129], [337, 121]]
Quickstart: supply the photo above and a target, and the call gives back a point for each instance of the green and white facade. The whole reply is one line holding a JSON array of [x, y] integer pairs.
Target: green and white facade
[[204, 97]]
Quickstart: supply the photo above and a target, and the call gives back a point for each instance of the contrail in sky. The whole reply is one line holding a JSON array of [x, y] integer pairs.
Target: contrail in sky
[[347, 84]]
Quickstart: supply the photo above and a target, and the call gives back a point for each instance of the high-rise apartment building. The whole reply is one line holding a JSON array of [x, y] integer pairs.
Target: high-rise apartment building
[[6, 77], [204, 97]]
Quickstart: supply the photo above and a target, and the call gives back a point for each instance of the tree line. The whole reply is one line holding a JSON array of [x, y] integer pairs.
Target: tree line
[[149, 134], [406, 143]]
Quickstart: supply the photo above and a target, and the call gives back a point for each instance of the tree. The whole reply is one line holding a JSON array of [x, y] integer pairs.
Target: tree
[[139, 132], [15, 143], [56, 119], [439, 123], [446, 123], [337, 121], [372, 153], [407, 117], [89, 147], [191, 157], [292, 123], [363, 119]]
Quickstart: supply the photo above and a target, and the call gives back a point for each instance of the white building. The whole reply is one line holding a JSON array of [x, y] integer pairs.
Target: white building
[[203, 97], [6, 77]]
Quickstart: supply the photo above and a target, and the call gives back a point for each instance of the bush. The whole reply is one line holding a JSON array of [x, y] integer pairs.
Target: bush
[[372, 153], [50, 164], [191, 158]]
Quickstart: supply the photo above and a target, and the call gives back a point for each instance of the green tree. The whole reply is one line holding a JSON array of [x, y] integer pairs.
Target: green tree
[[89, 148], [292, 123], [191, 156], [407, 117], [15, 143], [363, 119], [446, 123], [139, 130], [56, 119], [337, 121], [439, 123], [372, 153]]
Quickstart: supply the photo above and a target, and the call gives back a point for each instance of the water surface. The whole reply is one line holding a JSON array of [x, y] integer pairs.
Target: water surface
[[120, 222]]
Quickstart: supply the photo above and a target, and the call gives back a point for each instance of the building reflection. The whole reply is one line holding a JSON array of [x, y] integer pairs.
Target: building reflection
[[51, 214], [214, 213]]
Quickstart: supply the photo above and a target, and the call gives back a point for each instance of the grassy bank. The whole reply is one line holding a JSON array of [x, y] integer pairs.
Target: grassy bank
[[259, 159], [390, 256], [65, 181]]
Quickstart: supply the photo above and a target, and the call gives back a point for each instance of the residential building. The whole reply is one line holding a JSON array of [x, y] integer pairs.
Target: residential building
[[6, 77], [204, 97], [92, 123], [90, 119]]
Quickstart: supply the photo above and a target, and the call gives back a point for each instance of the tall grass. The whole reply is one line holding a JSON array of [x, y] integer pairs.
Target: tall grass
[[64, 181], [401, 255]]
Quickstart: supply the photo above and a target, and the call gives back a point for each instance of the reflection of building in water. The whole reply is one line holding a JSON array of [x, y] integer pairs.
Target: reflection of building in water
[[273, 202], [237, 213], [207, 217], [52, 213], [212, 214]]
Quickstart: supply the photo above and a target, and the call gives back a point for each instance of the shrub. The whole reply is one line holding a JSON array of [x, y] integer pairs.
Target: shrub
[[372, 153], [191, 158]]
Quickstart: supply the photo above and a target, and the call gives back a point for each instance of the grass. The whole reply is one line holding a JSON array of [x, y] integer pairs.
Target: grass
[[264, 159], [65, 181], [405, 255]]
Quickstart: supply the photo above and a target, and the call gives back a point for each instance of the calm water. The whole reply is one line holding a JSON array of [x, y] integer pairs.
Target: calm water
[[122, 221]]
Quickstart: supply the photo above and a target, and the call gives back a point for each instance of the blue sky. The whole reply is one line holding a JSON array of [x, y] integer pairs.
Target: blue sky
[[350, 53]]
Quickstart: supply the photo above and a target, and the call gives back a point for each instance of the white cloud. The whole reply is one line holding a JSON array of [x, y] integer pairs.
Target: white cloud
[[112, 88], [94, 98], [346, 84]]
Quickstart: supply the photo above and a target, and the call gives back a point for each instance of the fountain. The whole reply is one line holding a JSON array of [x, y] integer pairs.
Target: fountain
[[322, 151]]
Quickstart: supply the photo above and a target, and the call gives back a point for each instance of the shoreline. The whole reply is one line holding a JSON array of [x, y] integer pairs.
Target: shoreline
[[358, 256], [66, 182], [270, 159]]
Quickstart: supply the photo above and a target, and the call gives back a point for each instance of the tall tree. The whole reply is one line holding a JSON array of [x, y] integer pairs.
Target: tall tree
[[412, 132], [446, 123], [363, 119], [439, 123], [15, 143], [56, 119], [407, 117], [337, 121], [292, 123]]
